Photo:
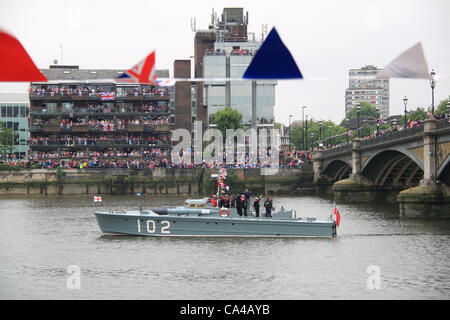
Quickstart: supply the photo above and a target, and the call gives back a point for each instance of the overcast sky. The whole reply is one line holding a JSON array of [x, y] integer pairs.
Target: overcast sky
[[326, 38]]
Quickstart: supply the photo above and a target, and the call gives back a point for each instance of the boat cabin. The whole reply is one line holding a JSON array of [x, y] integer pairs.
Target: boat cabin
[[198, 203]]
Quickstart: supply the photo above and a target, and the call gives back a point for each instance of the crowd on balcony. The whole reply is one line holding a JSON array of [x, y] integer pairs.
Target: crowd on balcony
[[104, 125], [95, 140], [89, 91], [233, 52]]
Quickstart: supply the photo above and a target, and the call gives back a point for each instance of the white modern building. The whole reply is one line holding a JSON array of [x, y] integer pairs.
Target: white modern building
[[363, 87], [229, 58]]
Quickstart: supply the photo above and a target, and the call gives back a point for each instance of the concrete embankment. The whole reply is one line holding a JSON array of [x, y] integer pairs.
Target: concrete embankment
[[161, 181]]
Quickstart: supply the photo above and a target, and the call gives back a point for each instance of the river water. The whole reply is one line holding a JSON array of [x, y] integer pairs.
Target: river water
[[376, 255]]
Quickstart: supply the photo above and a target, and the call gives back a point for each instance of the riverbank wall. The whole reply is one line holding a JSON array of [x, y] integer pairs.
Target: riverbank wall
[[162, 181]]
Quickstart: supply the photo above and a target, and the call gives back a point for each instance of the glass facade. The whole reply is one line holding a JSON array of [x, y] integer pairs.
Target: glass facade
[[15, 117], [230, 60]]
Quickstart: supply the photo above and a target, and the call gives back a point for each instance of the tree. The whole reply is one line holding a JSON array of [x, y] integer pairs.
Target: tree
[[6, 141], [442, 107], [329, 128], [418, 114], [228, 118], [367, 110]]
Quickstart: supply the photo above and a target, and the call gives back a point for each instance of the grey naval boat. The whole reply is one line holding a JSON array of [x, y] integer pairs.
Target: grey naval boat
[[198, 217]]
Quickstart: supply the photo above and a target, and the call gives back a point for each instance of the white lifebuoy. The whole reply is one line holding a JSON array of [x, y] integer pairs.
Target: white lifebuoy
[[224, 214]]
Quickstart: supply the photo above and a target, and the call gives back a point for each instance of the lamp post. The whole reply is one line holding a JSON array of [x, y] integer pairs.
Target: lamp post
[[290, 116], [306, 133], [330, 135], [358, 109], [432, 84], [303, 127], [320, 130], [378, 120], [448, 109], [312, 140], [405, 101], [347, 121]]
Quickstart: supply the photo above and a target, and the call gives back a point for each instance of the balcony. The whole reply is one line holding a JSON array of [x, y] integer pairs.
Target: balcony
[[97, 147], [80, 128], [135, 128], [51, 127]]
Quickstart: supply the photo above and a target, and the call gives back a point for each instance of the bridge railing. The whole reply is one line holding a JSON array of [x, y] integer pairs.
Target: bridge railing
[[391, 136], [442, 123], [338, 149]]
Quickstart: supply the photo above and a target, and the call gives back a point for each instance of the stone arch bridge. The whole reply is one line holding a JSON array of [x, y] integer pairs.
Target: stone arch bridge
[[392, 167]]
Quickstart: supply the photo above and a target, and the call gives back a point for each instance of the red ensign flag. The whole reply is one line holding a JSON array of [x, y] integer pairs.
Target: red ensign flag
[[15, 63], [338, 215]]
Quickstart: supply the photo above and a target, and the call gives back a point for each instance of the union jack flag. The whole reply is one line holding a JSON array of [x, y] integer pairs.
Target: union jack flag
[[143, 72], [105, 96], [165, 82]]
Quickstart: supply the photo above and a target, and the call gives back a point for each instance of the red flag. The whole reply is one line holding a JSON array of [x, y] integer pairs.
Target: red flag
[[338, 215], [15, 63]]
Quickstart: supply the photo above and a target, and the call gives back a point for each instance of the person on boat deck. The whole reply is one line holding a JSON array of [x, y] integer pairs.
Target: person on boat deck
[[244, 204], [238, 206], [232, 202], [213, 201], [256, 206], [247, 197], [221, 202], [227, 202], [268, 204]]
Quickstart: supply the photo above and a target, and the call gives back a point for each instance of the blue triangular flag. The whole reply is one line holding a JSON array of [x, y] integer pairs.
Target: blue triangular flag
[[273, 61]]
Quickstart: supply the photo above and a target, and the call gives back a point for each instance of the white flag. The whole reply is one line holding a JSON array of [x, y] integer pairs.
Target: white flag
[[410, 64]]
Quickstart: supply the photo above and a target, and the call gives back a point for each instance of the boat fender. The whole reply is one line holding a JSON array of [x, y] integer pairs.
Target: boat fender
[[222, 213]]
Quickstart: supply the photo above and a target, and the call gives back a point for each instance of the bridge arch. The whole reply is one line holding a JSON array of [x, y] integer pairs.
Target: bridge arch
[[444, 171], [337, 170], [393, 168]]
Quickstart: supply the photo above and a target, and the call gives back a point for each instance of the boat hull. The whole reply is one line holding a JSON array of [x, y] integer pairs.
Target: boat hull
[[210, 226]]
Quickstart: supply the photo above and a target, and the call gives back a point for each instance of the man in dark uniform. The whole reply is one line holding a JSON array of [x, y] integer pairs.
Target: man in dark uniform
[[238, 206], [247, 197], [221, 202], [244, 204], [227, 202], [268, 206], [256, 206]]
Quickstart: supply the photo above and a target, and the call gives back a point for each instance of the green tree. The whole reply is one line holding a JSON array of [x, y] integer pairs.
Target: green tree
[[367, 110], [442, 107], [6, 141], [418, 114], [327, 134], [228, 118]]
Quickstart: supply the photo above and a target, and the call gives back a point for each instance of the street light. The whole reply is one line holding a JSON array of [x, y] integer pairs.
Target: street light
[[306, 133], [405, 101], [312, 140], [378, 120], [448, 109], [330, 134], [320, 129], [432, 84], [290, 116], [358, 109], [347, 121], [303, 127]]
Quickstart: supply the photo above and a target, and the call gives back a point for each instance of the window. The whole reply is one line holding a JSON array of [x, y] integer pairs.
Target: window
[[3, 114], [22, 111]]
